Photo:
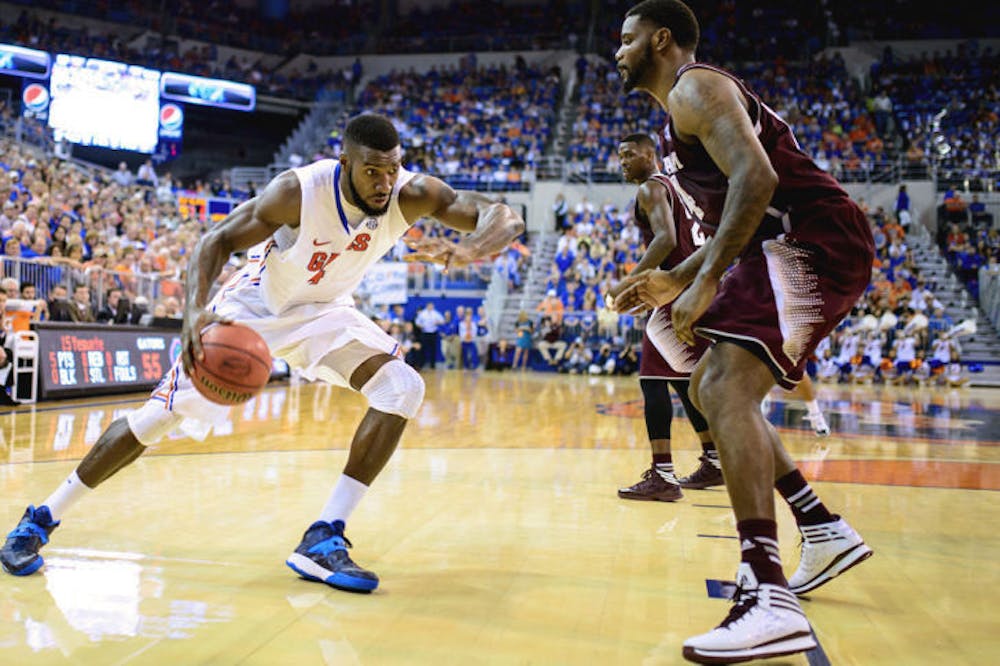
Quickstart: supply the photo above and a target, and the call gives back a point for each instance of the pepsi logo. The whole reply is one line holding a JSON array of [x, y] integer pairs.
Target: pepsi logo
[[171, 117], [35, 97]]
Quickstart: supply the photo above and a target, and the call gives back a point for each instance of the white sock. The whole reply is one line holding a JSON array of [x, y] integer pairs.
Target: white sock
[[666, 472], [812, 407], [63, 497], [343, 500]]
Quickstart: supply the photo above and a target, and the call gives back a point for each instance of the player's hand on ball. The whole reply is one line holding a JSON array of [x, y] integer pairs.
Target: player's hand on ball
[[195, 321]]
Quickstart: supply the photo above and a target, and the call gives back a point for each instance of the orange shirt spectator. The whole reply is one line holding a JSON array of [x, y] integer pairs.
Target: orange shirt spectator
[[552, 306]]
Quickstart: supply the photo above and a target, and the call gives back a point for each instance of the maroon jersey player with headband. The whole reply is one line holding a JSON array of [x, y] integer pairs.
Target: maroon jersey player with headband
[[804, 252]]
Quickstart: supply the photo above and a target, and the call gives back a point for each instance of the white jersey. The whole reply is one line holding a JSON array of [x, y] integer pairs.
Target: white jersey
[[906, 349], [941, 351], [873, 350], [325, 258]]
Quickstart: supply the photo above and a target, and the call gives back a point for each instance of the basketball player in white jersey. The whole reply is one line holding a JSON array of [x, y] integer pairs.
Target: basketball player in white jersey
[[310, 235]]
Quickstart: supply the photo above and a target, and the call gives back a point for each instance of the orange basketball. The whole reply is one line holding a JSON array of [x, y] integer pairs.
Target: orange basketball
[[236, 366]]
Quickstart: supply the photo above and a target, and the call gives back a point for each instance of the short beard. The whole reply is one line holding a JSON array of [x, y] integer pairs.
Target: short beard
[[360, 202], [639, 70]]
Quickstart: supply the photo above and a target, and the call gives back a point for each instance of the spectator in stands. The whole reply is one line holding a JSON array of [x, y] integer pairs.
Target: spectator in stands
[[146, 176], [603, 362], [429, 321], [551, 306], [550, 340], [560, 211], [577, 358], [116, 308], [955, 207], [483, 332], [524, 330], [628, 360], [980, 218], [450, 343], [903, 207], [501, 356], [80, 309], [467, 333], [123, 176]]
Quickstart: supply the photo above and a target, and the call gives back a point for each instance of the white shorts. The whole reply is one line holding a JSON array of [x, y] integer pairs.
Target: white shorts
[[322, 341]]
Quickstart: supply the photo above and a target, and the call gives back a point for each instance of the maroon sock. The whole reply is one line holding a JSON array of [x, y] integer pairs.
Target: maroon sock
[[663, 459], [759, 544], [709, 449], [805, 505]]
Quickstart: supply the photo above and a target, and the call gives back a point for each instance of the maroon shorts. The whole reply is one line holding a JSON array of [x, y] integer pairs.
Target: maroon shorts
[[788, 293], [663, 355]]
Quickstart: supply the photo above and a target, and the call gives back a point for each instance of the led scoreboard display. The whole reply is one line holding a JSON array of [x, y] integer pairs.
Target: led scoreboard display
[[83, 360]]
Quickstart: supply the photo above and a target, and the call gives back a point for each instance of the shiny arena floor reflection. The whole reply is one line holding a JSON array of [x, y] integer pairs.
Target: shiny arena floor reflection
[[496, 530]]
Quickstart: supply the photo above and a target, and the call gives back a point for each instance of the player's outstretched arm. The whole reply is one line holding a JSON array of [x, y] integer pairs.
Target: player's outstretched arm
[[250, 223], [491, 225]]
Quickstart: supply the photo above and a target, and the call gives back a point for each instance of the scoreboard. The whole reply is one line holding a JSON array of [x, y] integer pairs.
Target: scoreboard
[[78, 360]]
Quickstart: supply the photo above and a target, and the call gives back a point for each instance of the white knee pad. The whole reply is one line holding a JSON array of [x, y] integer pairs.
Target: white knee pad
[[395, 388], [152, 422]]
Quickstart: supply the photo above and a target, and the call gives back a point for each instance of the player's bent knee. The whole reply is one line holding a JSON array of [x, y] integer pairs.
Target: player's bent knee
[[395, 388], [152, 422]]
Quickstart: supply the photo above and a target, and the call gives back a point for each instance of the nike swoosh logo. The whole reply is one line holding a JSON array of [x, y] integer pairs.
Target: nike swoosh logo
[[317, 243]]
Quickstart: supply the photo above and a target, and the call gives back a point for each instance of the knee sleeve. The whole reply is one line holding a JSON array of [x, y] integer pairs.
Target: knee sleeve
[[395, 388], [658, 409], [696, 418], [151, 422]]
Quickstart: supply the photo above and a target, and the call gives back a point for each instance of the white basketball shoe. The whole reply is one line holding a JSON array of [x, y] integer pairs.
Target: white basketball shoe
[[818, 422], [766, 621], [828, 550]]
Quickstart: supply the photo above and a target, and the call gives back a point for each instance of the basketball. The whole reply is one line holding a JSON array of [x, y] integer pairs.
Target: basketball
[[236, 366]]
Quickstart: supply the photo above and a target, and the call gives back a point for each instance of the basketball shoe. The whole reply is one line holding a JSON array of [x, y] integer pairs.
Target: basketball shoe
[[19, 554], [322, 557], [706, 476], [652, 488], [766, 621], [818, 422], [828, 550]]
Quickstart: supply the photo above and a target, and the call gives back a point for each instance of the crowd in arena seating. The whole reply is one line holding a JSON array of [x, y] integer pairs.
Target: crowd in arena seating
[[75, 241], [470, 124], [947, 105]]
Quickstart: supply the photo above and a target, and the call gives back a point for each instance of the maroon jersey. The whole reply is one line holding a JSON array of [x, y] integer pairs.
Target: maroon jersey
[[801, 184], [686, 225]]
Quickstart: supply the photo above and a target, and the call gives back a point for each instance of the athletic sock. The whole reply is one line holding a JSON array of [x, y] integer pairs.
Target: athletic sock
[[708, 448], [664, 465], [812, 406], [759, 549], [67, 494], [804, 503], [344, 498]]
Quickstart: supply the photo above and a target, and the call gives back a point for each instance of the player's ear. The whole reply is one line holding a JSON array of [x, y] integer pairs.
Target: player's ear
[[661, 39]]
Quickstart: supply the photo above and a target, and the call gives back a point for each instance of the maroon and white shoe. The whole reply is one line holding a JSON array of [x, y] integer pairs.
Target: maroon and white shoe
[[766, 621], [653, 487], [828, 550]]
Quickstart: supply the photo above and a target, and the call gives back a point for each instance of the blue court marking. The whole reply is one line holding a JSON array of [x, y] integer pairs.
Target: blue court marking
[[713, 506], [817, 656], [718, 536]]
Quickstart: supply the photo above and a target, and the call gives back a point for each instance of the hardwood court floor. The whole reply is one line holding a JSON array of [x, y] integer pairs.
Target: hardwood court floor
[[496, 531]]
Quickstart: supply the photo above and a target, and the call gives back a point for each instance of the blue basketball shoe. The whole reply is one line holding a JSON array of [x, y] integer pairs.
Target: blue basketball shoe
[[322, 557], [19, 554]]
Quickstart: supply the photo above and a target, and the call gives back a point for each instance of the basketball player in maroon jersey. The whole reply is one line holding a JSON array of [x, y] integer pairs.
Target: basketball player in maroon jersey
[[670, 233], [805, 253]]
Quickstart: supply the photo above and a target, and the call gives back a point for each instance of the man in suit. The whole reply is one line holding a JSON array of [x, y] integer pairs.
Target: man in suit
[[80, 309]]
